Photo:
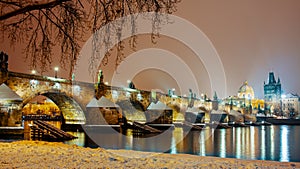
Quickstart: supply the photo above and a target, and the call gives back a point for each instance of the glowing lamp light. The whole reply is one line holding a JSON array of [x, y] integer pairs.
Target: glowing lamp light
[[128, 81], [33, 72], [56, 70], [106, 83]]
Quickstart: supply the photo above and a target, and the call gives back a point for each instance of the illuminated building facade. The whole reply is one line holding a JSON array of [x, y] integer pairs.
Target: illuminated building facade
[[246, 91], [245, 100], [290, 104]]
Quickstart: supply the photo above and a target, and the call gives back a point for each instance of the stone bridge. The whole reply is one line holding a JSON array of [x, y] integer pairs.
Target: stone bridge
[[73, 96]]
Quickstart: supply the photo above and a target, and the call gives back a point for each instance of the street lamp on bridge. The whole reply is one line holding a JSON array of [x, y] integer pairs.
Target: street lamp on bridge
[[56, 70]]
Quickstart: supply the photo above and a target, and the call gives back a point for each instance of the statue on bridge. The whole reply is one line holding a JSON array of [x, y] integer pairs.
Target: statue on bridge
[[3, 62], [99, 87], [100, 77], [73, 76]]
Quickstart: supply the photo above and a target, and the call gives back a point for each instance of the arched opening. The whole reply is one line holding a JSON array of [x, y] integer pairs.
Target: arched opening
[[71, 111], [53, 106], [41, 105], [42, 108]]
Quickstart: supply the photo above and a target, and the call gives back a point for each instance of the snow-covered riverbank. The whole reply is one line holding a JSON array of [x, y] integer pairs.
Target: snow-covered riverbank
[[38, 154]]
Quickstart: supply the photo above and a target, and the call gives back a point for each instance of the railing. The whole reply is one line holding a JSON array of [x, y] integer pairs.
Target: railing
[[41, 117]]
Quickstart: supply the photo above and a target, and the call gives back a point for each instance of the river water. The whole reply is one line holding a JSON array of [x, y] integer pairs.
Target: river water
[[276, 142]]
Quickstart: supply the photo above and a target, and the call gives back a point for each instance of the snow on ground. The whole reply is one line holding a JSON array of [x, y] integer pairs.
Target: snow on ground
[[38, 154]]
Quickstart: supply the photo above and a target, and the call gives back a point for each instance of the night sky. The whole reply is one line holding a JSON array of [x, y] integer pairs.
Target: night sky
[[252, 37]]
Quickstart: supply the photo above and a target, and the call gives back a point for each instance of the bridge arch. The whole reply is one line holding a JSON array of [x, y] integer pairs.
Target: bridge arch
[[71, 111]]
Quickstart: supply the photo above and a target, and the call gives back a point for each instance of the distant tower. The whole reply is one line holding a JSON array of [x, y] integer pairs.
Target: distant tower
[[215, 102], [272, 92]]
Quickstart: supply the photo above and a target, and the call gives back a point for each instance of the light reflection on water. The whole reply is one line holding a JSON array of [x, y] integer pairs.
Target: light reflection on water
[[263, 143], [201, 142], [238, 143], [80, 141], [279, 143], [223, 144], [272, 142], [284, 148], [252, 142]]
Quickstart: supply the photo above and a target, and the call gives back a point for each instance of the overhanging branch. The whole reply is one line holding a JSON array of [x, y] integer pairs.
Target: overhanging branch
[[32, 7]]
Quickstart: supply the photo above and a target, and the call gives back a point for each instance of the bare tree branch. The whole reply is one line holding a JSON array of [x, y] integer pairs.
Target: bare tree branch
[[45, 24], [31, 7]]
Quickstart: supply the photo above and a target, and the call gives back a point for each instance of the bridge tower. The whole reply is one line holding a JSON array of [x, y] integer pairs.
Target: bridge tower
[[215, 102]]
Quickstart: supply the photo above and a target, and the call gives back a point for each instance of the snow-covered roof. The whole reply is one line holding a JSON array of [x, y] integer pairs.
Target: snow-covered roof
[[217, 112], [194, 110], [158, 106], [291, 95], [7, 94], [102, 102], [151, 106]]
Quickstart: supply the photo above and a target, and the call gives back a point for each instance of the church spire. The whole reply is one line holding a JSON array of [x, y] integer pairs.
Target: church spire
[[272, 78], [215, 102], [215, 96]]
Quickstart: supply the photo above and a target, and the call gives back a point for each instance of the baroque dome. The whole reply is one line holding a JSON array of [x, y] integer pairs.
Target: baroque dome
[[246, 91]]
